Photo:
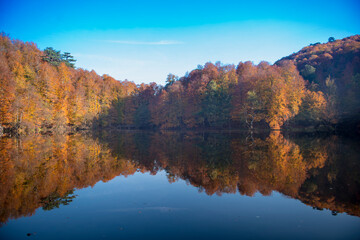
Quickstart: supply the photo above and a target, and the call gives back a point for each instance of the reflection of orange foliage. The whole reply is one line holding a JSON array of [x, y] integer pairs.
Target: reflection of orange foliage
[[330, 203], [282, 167], [264, 165], [273, 164], [34, 167]]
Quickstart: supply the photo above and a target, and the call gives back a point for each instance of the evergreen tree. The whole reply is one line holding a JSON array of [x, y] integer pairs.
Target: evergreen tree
[[52, 56], [68, 59]]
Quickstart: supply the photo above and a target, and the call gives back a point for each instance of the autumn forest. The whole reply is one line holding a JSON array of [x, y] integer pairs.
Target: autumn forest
[[317, 88]]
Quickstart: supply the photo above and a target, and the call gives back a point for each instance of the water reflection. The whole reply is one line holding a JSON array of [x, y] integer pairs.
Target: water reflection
[[43, 171]]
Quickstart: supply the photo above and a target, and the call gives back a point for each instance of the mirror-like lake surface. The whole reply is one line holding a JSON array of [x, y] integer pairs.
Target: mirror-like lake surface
[[179, 185]]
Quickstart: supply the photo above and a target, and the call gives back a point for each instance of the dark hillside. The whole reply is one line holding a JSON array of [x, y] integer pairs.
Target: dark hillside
[[334, 69]]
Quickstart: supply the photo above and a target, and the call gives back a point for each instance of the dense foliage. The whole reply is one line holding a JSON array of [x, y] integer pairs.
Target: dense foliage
[[41, 91], [55, 57], [334, 69]]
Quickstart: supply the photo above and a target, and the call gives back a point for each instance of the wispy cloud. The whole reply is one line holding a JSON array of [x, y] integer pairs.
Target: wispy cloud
[[109, 59], [162, 42]]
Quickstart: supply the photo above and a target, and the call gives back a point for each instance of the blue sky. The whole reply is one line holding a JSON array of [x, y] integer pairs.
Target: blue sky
[[143, 41]]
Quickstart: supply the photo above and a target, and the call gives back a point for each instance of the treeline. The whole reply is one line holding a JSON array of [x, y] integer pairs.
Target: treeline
[[41, 91], [38, 94]]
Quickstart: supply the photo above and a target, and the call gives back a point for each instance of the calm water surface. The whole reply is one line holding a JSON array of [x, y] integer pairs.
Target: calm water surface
[[172, 185]]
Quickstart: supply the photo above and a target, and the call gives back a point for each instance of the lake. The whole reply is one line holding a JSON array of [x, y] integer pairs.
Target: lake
[[180, 185]]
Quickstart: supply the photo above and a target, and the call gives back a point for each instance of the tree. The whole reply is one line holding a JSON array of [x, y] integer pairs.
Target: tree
[[331, 39], [312, 108], [308, 72], [286, 94], [254, 109], [216, 105], [7, 92], [171, 78], [68, 59], [142, 116], [52, 56], [55, 57], [331, 111]]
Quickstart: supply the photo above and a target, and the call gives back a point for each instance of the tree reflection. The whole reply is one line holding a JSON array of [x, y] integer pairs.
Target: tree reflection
[[43, 171], [54, 200], [39, 171]]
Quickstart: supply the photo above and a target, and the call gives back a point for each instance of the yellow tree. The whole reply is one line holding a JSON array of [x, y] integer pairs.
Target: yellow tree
[[7, 92], [280, 90], [61, 88]]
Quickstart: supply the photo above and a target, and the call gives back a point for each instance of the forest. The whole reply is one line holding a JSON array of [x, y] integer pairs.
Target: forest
[[316, 88]]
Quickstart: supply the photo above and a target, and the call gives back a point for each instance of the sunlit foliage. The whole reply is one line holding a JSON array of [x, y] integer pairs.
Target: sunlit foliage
[[318, 86]]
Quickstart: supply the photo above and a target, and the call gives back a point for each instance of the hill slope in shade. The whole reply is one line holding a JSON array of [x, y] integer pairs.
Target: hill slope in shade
[[334, 69]]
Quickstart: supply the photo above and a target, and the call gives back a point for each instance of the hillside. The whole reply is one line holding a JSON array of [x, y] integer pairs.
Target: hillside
[[317, 88], [41, 92], [334, 69]]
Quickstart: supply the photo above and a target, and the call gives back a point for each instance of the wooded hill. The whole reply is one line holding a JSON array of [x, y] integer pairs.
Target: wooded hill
[[317, 87], [334, 69]]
